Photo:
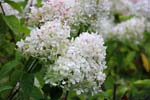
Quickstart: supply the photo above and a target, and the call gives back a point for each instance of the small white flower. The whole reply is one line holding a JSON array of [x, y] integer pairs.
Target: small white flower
[[20, 43]]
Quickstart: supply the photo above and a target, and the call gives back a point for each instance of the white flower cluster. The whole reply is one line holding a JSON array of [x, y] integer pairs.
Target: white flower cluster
[[132, 29], [104, 27], [82, 66], [52, 9], [73, 11], [78, 62], [104, 7], [88, 7], [46, 42], [131, 7], [122, 6], [141, 8]]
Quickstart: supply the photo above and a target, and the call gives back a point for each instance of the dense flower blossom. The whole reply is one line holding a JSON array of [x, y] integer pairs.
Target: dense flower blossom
[[46, 42], [104, 7], [52, 9], [141, 8], [81, 68], [131, 7], [104, 27], [132, 29], [88, 7], [79, 61], [122, 6], [104, 22]]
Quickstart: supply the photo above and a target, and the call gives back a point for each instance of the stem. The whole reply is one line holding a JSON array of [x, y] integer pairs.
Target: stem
[[2, 8], [14, 91], [114, 92], [27, 7], [66, 95], [32, 66]]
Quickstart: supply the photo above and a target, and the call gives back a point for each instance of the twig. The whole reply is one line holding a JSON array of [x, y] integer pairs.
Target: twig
[[2, 8], [14, 91]]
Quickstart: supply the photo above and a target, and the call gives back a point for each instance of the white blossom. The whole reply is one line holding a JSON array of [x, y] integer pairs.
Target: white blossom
[[122, 7], [52, 9], [47, 41], [81, 68], [132, 29], [104, 27], [79, 61], [141, 8], [104, 8], [88, 7]]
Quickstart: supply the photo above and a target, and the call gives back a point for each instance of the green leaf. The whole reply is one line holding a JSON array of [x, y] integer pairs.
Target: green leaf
[[18, 55], [3, 26], [40, 76], [124, 18], [39, 3], [15, 5], [15, 76], [143, 83], [122, 90], [7, 68], [26, 84], [140, 89], [109, 83], [36, 94], [13, 23], [24, 29], [130, 57], [5, 87]]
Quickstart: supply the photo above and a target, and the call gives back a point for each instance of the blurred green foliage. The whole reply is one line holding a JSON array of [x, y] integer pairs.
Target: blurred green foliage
[[128, 72]]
